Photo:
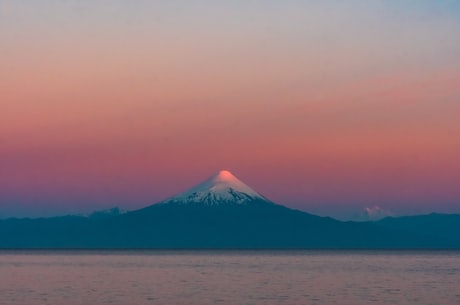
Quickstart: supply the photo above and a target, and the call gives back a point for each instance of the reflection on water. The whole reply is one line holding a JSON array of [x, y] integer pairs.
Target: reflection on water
[[229, 277]]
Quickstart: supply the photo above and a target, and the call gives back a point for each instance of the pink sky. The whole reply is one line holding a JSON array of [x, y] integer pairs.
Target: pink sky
[[325, 107]]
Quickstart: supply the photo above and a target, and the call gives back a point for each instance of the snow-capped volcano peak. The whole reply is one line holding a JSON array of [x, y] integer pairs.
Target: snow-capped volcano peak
[[221, 188], [224, 175]]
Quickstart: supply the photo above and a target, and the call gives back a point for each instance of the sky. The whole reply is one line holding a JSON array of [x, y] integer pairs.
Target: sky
[[331, 107]]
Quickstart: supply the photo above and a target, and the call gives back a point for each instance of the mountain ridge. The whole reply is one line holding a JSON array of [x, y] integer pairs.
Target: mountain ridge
[[234, 217]]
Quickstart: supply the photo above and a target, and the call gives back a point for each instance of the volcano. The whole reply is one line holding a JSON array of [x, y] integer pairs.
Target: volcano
[[222, 212]]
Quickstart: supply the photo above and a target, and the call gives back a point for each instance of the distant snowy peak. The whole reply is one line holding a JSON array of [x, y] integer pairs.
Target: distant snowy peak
[[222, 188]]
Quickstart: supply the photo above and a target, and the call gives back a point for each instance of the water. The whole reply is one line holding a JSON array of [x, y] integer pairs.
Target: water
[[229, 277]]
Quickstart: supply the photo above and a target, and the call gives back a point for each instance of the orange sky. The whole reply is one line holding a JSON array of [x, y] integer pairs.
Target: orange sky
[[325, 107]]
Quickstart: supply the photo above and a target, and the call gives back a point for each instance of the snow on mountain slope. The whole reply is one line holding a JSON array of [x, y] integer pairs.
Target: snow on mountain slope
[[222, 188]]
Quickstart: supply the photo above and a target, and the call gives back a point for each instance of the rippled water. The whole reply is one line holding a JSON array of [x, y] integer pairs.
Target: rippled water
[[229, 277]]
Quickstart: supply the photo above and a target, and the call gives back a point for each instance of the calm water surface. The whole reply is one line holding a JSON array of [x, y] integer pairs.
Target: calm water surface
[[229, 277]]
